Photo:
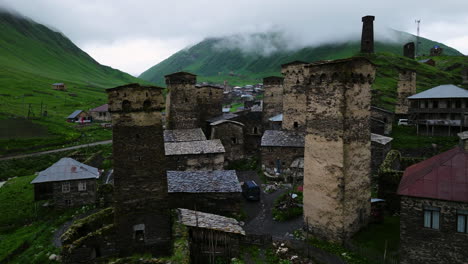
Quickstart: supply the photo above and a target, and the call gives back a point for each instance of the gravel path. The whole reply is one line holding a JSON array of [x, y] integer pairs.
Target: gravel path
[[56, 150]]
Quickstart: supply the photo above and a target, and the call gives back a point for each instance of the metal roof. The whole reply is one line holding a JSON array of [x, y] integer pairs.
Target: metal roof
[[442, 91], [279, 138], [67, 169], [224, 116], [194, 147], [220, 181], [383, 140], [102, 108], [276, 118], [181, 135], [442, 177], [74, 114], [226, 121], [57, 84], [209, 221]]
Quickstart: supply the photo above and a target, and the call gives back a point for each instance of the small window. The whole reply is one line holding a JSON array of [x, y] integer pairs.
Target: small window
[[255, 130], [126, 106], [68, 202], [431, 217], [146, 105], [296, 125], [234, 140], [462, 221], [435, 104], [65, 187], [139, 234], [81, 186]]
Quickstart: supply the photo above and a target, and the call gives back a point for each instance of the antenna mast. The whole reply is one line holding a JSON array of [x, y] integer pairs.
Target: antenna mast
[[417, 37]]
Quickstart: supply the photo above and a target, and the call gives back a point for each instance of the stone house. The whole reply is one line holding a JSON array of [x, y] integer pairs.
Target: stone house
[[381, 121], [281, 154], [217, 191], [231, 134], [434, 209], [442, 110], [100, 113], [253, 127], [195, 155], [59, 86], [68, 183], [380, 146]]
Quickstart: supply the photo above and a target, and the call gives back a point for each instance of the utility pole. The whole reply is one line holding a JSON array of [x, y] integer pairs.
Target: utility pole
[[417, 37]]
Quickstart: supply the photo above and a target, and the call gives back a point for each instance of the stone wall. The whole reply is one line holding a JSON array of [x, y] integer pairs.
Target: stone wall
[[253, 129], [294, 98], [406, 87], [337, 149], [420, 245], [379, 152], [231, 134], [226, 204], [101, 116], [74, 197], [182, 110], [140, 181], [285, 156], [272, 99], [208, 161]]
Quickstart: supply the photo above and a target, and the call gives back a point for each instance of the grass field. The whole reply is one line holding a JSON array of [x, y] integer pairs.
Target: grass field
[[404, 137]]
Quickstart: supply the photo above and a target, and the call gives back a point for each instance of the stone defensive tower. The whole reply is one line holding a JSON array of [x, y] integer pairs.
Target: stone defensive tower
[[409, 50], [210, 102], [367, 37], [464, 74], [294, 96], [337, 160], [273, 98], [142, 216], [181, 101], [406, 88]]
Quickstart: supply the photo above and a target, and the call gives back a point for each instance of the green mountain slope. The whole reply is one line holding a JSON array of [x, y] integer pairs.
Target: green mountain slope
[[32, 57], [216, 64]]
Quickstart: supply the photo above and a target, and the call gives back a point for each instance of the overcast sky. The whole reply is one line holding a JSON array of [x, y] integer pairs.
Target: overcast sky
[[133, 35]]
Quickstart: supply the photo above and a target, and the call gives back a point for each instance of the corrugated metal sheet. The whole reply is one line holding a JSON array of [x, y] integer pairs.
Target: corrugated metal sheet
[[443, 177], [74, 114], [67, 169], [442, 91], [277, 118]]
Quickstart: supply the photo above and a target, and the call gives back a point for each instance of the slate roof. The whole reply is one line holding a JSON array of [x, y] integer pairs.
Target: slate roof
[[276, 118], [442, 177], [224, 116], [67, 169], [383, 140], [279, 138], [209, 221], [194, 147], [442, 91], [74, 114], [221, 181], [226, 121], [102, 108], [180, 135]]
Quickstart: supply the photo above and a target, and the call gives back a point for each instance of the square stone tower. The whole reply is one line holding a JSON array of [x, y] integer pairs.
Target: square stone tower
[[367, 37], [337, 160], [406, 88], [210, 102], [294, 96], [272, 99], [142, 216], [181, 101]]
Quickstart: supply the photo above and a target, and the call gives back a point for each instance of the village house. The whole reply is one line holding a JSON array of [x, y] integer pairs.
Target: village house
[[59, 86], [430, 62], [381, 121], [211, 236], [79, 116], [195, 155], [231, 134], [441, 110], [216, 191], [100, 113], [380, 146], [68, 183], [434, 209]]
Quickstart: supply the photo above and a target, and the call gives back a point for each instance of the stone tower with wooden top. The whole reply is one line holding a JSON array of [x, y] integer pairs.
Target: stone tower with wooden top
[[272, 99], [142, 216], [337, 156], [406, 87], [181, 101], [294, 97]]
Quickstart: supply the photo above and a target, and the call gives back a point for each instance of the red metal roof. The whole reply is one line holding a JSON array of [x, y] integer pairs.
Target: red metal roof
[[443, 177], [102, 108]]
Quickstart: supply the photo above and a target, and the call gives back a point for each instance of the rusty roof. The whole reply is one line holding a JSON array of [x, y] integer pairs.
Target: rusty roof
[[442, 177], [102, 108]]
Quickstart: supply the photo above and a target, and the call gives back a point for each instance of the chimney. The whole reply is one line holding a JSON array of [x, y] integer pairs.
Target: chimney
[[463, 140]]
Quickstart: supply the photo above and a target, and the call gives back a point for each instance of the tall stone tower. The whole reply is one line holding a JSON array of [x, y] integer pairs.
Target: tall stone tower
[[408, 50], [272, 99], [142, 216], [367, 38], [406, 88], [294, 97], [464, 74], [181, 101], [337, 160], [210, 102]]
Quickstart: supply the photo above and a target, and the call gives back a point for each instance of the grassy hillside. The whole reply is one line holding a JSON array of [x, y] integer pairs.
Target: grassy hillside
[[216, 64], [32, 57]]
